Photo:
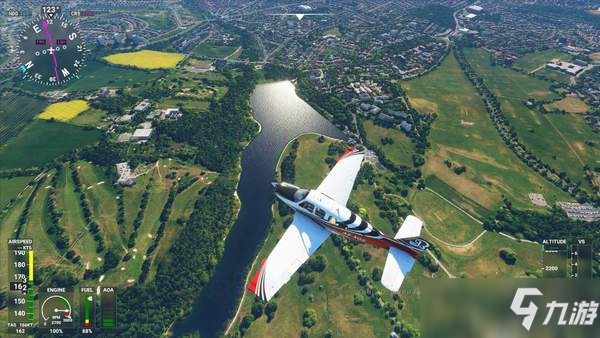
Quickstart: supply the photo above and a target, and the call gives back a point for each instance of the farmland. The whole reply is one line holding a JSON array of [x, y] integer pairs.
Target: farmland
[[97, 74], [43, 141], [146, 59], [464, 135], [545, 135], [64, 111], [15, 112]]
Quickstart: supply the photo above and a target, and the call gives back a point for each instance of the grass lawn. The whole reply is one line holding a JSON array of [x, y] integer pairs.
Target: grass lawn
[[188, 104], [64, 111], [464, 202], [35, 228], [531, 61], [73, 221], [554, 75], [11, 187], [103, 205], [210, 50], [444, 220], [400, 152], [570, 104], [91, 117], [481, 260], [16, 111], [43, 141], [557, 140], [333, 31], [146, 59], [464, 134]]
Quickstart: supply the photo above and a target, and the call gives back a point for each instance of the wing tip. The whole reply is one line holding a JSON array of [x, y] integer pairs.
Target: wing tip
[[348, 152], [255, 280]]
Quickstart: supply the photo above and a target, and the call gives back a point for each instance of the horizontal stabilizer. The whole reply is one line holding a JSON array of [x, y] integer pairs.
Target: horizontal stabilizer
[[410, 228], [397, 266]]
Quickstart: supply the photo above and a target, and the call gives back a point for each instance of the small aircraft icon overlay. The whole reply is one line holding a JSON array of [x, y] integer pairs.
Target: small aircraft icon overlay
[[321, 212]]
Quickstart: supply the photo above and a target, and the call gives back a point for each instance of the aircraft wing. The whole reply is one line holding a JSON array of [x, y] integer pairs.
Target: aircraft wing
[[301, 239], [398, 263], [340, 180]]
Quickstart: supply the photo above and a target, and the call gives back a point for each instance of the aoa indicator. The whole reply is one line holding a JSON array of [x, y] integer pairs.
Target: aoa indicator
[[51, 50]]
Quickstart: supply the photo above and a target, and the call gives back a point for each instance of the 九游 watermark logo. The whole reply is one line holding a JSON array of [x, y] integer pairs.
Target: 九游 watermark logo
[[582, 313]]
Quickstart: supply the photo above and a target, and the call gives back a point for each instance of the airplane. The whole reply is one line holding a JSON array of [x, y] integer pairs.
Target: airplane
[[322, 212]]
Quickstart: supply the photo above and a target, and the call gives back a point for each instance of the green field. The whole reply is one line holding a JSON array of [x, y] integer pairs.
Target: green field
[[16, 111], [159, 20], [95, 75], [11, 187], [464, 134], [209, 50], [103, 206], [558, 140], [532, 61], [43, 141], [444, 220], [82, 240], [554, 76], [481, 259], [91, 117], [400, 152]]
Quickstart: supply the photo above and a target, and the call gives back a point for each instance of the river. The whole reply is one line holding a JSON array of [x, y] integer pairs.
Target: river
[[282, 115]]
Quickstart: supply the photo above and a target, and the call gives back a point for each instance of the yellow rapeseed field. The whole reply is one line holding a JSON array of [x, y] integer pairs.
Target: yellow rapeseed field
[[146, 59], [64, 111]]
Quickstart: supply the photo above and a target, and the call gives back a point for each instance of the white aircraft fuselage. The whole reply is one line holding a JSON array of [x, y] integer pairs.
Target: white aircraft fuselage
[[340, 220]]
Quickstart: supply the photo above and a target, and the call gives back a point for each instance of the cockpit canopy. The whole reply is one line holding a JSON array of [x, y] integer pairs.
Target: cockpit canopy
[[291, 192]]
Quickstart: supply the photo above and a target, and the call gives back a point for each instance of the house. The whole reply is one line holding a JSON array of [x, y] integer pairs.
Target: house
[[407, 127], [141, 135], [154, 114], [142, 106], [385, 118], [397, 113], [173, 113], [126, 177], [374, 110]]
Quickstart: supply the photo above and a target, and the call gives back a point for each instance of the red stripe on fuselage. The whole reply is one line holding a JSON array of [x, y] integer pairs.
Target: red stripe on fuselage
[[254, 281]]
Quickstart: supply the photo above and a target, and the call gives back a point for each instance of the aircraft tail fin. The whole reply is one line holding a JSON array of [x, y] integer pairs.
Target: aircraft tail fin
[[411, 227]]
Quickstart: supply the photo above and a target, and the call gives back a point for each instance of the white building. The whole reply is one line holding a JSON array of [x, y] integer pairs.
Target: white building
[[125, 175], [141, 135], [173, 113], [142, 106], [565, 67]]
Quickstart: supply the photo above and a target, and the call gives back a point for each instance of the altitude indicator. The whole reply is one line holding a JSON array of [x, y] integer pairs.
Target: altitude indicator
[[51, 50]]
